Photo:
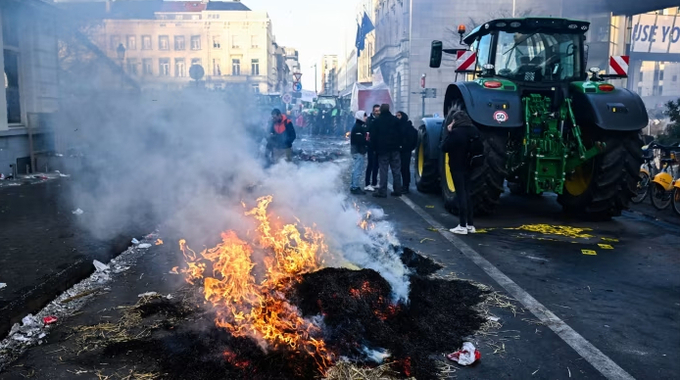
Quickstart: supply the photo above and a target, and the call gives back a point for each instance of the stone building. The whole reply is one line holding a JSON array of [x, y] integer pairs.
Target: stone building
[[29, 64], [163, 39]]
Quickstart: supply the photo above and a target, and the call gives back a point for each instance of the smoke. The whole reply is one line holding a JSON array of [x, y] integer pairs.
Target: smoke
[[186, 159]]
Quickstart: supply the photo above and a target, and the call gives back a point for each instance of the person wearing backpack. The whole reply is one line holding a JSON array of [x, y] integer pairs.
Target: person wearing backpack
[[408, 145], [464, 146]]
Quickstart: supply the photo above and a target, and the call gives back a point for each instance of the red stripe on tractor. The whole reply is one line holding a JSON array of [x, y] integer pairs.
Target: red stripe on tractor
[[615, 65]]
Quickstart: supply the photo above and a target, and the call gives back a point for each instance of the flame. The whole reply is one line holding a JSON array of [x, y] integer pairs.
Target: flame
[[365, 223], [159, 242], [347, 135], [251, 302]]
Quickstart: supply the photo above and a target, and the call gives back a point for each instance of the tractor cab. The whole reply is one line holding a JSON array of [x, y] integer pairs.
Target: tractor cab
[[530, 51]]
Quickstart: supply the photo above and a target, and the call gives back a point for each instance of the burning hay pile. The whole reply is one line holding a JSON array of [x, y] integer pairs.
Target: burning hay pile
[[275, 312]]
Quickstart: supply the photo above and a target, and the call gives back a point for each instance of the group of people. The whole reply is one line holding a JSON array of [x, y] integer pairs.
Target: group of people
[[386, 141]]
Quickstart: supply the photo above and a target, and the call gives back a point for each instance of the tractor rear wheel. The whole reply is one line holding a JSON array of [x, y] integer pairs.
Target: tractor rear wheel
[[602, 187], [486, 181], [426, 170]]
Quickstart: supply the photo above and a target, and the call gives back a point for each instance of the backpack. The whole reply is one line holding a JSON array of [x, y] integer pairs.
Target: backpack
[[475, 152]]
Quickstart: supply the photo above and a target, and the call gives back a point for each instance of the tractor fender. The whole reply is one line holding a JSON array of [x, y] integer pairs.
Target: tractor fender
[[618, 110], [433, 127], [487, 107]]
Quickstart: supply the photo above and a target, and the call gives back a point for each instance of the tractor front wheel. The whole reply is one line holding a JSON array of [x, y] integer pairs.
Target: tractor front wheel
[[602, 187], [426, 171]]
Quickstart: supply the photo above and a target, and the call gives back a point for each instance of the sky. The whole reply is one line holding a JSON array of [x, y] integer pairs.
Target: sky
[[313, 27]]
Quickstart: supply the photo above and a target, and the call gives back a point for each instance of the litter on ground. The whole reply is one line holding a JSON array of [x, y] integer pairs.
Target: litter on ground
[[101, 267], [589, 252], [77, 212], [467, 355]]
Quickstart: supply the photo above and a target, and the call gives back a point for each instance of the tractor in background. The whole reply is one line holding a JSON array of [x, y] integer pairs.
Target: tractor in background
[[548, 124]]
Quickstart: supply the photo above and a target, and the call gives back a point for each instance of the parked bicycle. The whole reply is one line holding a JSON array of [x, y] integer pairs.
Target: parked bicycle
[[662, 186], [647, 171], [676, 196]]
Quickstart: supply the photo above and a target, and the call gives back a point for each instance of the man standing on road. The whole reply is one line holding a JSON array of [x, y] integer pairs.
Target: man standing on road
[[372, 167], [387, 137], [281, 137], [457, 144], [410, 140]]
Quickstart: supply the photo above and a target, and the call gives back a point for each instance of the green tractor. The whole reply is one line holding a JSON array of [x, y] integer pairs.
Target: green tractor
[[549, 125]]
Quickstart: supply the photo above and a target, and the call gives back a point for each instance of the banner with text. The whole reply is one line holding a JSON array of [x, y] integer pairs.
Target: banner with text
[[656, 34]]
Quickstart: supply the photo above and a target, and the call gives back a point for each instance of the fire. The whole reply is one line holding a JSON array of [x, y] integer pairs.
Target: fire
[[248, 296], [347, 135], [364, 223], [159, 242]]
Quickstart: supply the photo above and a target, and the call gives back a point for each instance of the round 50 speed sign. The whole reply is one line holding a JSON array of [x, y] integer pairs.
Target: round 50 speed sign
[[500, 116]]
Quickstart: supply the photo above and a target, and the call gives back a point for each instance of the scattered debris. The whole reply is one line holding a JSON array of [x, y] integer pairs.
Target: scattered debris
[[135, 241], [345, 370], [429, 206], [426, 239], [605, 246], [175, 270], [610, 240], [3, 285], [466, 355], [159, 242], [50, 319], [77, 212], [81, 295], [144, 246], [101, 267], [589, 252], [432, 229], [148, 294]]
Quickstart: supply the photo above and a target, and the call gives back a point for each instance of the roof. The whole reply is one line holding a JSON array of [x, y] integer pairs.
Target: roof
[[145, 9], [183, 6], [227, 6], [527, 25]]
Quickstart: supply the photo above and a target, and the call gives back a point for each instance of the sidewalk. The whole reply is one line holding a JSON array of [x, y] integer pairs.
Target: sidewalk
[[43, 252]]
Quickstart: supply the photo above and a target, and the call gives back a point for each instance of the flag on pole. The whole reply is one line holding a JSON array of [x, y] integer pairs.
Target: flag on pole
[[363, 29]]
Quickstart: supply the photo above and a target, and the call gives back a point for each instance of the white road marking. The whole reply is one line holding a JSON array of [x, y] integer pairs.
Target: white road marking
[[601, 362]]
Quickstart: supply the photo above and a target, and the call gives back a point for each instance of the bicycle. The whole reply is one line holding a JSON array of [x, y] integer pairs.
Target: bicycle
[[676, 196], [648, 170], [662, 186]]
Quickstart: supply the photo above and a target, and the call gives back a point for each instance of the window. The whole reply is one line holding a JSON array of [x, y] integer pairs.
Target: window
[[660, 74], [660, 90], [146, 42], [147, 66], [195, 61], [163, 43], [255, 67], [256, 88], [254, 43], [235, 42], [216, 42], [195, 42], [131, 43], [235, 67], [179, 43], [483, 49], [180, 68], [216, 68], [132, 66], [164, 67], [115, 41], [12, 86]]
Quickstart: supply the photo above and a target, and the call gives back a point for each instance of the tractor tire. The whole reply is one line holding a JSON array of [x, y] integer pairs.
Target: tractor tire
[[486, 181], [602, 187], [426, 170]]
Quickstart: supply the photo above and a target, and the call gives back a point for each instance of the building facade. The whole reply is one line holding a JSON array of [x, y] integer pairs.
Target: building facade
[[230, 42], [329, 71], [29, 63]]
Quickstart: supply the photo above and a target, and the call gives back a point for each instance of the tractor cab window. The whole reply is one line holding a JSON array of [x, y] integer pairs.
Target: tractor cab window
[[538, 57], [482, 47]]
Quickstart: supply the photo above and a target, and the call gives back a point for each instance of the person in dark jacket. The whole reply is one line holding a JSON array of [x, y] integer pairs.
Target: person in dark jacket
[[359, 148], [408, 144], [386, 138], [281, 136], [457, 145], [372, 167]]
